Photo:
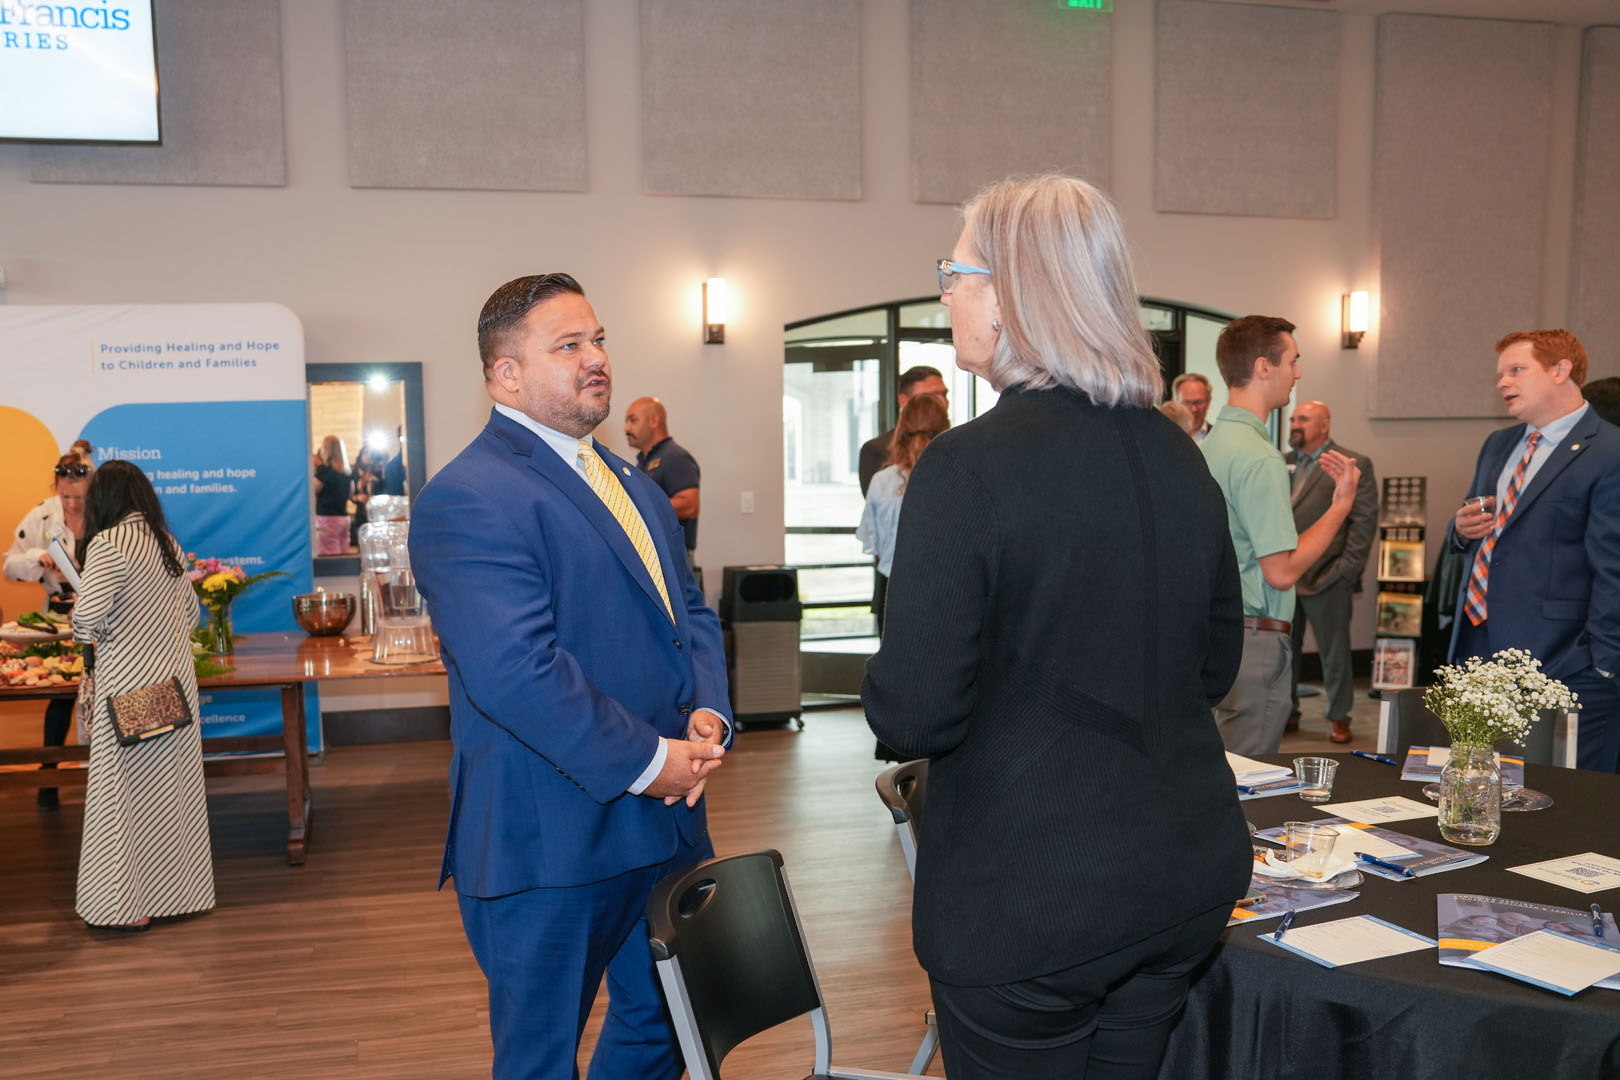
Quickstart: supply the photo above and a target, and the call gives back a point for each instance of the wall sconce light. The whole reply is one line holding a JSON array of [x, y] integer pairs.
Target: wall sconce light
[[716, 309], [1353, 318]]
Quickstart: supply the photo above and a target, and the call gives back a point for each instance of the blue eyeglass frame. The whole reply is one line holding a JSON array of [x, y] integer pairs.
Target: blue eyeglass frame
[[945, 268]]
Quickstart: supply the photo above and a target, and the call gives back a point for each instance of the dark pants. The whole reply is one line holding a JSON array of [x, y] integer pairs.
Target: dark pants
[[544, 952], [1106, 1019], [1329, 614], [880, 596], [58, 718], [1598, 739]]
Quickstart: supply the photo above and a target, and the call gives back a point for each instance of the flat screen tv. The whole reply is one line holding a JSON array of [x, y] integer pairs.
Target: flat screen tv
[[78, 71]]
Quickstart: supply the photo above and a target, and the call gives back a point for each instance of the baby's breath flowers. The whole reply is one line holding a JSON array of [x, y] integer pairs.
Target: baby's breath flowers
[[1481, 701]]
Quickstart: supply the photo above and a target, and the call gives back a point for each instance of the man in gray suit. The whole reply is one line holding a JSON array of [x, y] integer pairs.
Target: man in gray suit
[[1324, 594]]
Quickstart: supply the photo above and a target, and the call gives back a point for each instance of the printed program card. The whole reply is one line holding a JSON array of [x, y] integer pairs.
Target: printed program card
[[1353, 838], [1552, 961], [1588, 873], [1350, 941], [1379, 811]]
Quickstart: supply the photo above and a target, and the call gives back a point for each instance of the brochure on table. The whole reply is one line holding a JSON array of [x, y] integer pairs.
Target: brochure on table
[[1426, 762], [1350, 941], [1272, 898], [1470, 923], [1418, 856], [208, 399], [1552, 961]]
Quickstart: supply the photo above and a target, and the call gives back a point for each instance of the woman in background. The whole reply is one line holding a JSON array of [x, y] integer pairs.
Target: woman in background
[[146, 851], [29, 559], [1065, 610], [331, 498], [923, 418], [362, 483]]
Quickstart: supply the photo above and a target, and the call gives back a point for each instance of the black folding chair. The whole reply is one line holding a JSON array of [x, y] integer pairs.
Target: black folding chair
[[731, 957], [904, 790]]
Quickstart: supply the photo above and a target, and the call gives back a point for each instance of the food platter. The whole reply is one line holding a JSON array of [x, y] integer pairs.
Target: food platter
[[14, 634], [41, 672]]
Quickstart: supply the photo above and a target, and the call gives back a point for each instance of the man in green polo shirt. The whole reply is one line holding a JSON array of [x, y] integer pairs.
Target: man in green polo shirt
[[1259, 362]]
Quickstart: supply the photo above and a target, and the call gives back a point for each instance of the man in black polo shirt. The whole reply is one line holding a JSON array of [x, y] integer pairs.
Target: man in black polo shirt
[[646, 428]]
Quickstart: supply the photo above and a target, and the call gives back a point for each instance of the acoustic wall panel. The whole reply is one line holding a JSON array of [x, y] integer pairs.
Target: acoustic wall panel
[[219, 83], [1595, 279], [751, 97], [1235, 136], [486, 96], [1460, 174], [1006, 86]]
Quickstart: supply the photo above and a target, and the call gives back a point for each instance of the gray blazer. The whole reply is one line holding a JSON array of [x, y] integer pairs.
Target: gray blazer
[[1346, 556]]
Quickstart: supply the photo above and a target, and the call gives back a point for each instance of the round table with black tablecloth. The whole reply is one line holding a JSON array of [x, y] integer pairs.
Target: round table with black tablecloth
[[1256, 1011]]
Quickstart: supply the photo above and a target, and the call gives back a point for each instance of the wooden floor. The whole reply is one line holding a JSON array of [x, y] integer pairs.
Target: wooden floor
[[353, 966]]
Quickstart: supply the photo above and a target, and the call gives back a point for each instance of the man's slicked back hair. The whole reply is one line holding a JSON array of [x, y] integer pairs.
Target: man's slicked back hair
[[507, 306]]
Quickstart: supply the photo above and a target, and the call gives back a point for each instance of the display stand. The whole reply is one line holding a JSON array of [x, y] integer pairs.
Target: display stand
[[1402, 575]]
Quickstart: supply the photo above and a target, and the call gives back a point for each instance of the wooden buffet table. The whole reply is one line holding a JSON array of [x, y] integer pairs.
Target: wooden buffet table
[[286, 661]]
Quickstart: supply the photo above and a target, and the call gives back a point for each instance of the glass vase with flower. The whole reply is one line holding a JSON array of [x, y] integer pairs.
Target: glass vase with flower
[[1479, 702], [217, 585]]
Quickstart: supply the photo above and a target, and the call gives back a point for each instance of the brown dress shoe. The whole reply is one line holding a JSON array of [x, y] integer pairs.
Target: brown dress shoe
[[1338, 732]]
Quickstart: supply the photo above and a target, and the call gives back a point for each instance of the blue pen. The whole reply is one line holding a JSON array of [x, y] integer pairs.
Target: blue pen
[[1597, 921], [1287, 921], [1397, 867], [1374, 757]]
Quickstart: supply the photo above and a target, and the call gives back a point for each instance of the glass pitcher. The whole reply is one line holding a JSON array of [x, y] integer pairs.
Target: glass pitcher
[[401, 632]]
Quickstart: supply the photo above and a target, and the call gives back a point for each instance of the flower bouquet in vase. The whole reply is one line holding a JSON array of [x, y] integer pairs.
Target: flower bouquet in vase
[[218, 584], [1479, 702]]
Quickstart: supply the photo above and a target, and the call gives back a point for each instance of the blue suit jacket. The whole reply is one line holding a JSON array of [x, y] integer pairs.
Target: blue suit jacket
[[564, 666], [1554, 584]]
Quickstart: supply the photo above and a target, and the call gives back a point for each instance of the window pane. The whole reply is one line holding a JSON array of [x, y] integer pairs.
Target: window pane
[[1156, 318], [928, 315]]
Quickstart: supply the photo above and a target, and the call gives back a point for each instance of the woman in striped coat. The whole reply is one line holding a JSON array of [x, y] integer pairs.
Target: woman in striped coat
[[145, 852]]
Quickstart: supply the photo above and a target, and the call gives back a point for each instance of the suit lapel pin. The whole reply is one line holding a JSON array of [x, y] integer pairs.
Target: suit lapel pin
[[626, 470], [1575, 447]]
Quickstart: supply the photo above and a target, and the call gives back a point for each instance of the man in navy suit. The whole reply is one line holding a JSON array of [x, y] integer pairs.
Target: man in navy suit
[[587, 695], [1542, 528]]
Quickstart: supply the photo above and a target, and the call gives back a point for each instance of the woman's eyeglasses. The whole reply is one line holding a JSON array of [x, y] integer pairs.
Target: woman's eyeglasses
[[949, 271], [78, 471]]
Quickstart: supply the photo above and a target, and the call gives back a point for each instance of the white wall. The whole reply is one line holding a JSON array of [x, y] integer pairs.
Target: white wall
[[400, 275]]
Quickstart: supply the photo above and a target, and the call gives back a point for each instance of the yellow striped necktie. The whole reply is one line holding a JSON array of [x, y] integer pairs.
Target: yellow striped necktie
[[614, 497]]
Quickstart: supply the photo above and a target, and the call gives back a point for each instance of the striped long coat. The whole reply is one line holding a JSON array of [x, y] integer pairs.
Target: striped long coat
[[145, 850]]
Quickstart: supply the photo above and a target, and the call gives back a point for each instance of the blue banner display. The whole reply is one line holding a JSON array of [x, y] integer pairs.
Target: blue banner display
[[234, 482]]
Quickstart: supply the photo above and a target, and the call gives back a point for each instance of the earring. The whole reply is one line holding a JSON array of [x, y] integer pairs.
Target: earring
[[996, 326]]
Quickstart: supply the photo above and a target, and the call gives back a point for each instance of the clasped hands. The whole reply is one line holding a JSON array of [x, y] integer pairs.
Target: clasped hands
[[689, 761]]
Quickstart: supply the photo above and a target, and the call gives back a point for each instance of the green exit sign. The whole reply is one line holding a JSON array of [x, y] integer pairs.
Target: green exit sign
[[1092, 5]]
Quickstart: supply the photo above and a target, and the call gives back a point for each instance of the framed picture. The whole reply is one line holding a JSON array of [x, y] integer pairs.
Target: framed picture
[[1393, 662], [1400, 614], [1401, 560]]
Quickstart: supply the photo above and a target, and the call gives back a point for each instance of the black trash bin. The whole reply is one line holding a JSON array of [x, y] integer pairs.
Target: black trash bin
[[760, 614]]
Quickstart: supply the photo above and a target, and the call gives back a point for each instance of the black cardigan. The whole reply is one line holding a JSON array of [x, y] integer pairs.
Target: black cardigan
[[1064, 610]]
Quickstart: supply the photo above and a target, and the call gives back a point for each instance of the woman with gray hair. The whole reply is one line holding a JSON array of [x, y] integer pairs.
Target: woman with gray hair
[[1071, 612]]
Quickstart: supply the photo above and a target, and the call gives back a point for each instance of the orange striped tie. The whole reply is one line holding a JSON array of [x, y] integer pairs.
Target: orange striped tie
[[1475, 604], [617, 500]]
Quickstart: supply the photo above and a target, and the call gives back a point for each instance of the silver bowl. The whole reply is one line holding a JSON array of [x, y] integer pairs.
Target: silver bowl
[[324, 614]]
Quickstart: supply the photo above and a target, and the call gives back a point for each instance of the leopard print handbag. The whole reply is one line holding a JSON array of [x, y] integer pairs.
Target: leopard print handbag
[[149, 712]]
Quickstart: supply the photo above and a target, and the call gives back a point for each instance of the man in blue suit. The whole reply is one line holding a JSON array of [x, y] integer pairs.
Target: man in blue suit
[[587, 695], [1542, 528]]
